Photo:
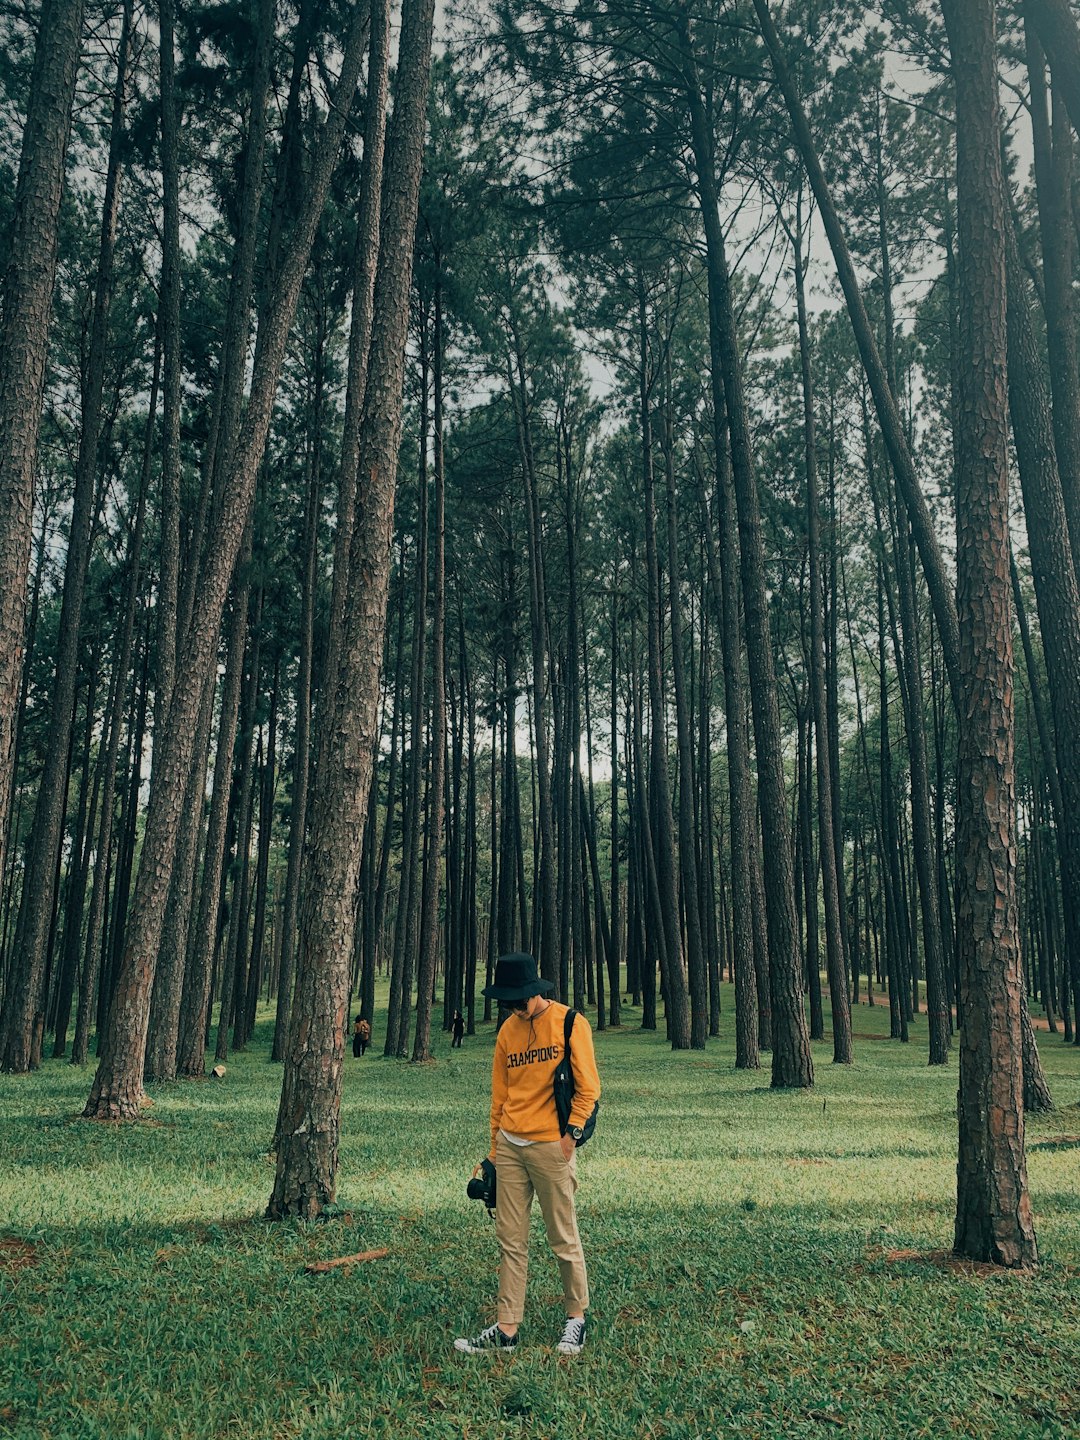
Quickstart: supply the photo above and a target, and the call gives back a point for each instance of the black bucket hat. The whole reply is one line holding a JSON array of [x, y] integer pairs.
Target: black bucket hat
[[516, 979]]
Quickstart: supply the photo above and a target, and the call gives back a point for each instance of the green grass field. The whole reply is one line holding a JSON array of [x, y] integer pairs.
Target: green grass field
[[740, 1246]]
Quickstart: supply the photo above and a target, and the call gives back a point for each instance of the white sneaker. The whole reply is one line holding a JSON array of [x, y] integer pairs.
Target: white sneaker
[[490, 1339], [572, 1341]]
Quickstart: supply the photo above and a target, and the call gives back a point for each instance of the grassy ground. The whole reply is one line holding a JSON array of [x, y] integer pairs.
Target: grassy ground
[[741, 1248]]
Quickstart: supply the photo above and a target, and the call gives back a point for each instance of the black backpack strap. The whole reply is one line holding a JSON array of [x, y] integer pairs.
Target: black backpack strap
[[568, 1025]]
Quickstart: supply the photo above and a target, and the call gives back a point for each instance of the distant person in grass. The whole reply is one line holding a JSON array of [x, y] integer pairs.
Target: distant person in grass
[[529, 1153], [361, 1036], [458, 1028]]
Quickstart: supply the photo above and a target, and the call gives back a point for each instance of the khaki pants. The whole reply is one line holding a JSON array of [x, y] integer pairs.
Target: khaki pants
[[543, 1170]]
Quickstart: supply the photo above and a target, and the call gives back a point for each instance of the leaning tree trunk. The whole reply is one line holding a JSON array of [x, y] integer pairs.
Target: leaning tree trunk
[[309, 1113], [892, 427], [117, 1088], [25, 308], [993, 1212]]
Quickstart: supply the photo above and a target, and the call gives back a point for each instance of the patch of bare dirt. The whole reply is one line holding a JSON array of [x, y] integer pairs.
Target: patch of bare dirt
[[946, 1260], [16, 1254]]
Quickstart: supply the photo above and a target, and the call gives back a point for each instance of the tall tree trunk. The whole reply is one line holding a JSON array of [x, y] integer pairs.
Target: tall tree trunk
[[1053, 184], [225, 416], [545, 893], [111, 740], [832, 882], [1057, 592], [695, 945], [614, 984], [195, 1002], [24, 995], [246, 1017], [792, 1064], [117, 1089], [429, 911], [993, 1211], [301, 769], [662, 851], [397, 1021], [309, 1114], [168, 992], [169, 306], [1056, 24], [25, 309]]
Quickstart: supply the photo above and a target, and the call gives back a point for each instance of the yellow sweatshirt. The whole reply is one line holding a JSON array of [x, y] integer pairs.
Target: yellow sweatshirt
[[527, 1053]]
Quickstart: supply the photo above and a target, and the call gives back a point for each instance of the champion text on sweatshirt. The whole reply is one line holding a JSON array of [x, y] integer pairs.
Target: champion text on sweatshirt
[[527, 1053]]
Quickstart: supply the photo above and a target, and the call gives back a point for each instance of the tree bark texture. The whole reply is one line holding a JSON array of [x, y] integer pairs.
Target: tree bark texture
[[25, 307], [309, 1113], [993, 1211], [39, 899]]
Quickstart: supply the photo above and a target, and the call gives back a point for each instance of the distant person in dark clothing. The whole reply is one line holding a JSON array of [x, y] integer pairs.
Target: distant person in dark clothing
[[458, 1027], [361, 1036]]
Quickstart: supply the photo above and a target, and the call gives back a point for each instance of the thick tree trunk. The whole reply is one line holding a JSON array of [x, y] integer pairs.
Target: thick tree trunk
[[366, 260], [309, 1114], [993, 1212]]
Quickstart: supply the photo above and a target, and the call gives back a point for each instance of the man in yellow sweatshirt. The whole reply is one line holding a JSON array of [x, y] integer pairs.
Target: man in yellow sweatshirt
[[531, 1153]]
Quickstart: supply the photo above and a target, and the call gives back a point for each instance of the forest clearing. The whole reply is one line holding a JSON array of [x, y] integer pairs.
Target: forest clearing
[[738, 1238], [539, 547]]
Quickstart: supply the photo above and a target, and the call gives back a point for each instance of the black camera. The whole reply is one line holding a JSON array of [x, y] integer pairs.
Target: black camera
[[482, 1186]]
